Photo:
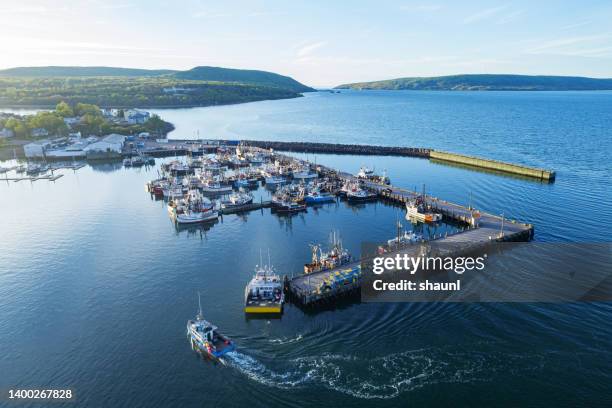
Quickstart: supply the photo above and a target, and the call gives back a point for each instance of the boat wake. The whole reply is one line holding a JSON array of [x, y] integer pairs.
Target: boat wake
[[286, 340], [389, 376]]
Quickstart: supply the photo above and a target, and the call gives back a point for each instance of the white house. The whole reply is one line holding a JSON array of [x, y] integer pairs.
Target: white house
[[6, 133], [36, 149], [72, 121], [40, 132]]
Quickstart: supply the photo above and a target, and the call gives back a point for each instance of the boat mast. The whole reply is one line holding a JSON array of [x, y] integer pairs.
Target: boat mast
[[199, 317]]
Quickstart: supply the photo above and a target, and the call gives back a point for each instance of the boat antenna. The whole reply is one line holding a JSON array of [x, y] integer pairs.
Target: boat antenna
[[199, 307], [260, 259]]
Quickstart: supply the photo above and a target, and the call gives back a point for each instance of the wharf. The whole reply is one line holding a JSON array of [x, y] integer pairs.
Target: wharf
[[481, 228]]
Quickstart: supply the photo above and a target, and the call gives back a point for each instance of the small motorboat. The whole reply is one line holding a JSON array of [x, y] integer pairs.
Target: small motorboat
[[205, 337]]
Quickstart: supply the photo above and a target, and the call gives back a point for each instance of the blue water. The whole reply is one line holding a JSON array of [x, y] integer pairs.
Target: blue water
[[96, 284]]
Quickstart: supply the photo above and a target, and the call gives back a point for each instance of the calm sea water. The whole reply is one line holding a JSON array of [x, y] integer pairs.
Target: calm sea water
[[96, 284]]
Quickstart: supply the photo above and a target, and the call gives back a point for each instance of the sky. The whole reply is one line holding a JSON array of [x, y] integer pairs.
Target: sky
[[319, 43]]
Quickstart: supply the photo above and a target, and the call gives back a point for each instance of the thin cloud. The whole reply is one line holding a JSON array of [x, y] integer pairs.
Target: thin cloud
[[576, 25], [564, 42], [421, 7], [484, 14], [23, 10], [207, 14], [310, 48], [510, 17]]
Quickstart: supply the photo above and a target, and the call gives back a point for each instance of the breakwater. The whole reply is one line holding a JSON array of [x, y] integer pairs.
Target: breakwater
[[493, 165], [374, 150], [335, 148]]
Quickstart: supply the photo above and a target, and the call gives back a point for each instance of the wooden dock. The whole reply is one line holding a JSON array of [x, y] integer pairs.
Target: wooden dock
[[50, 177]]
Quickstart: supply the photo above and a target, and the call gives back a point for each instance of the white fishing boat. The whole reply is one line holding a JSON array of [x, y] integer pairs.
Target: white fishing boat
[[365, 172], [275, 180], [407, 237], [416, 210], [237, 199], [205, 337], [264, 292], [304, 174], [194, 217], [214, 187]]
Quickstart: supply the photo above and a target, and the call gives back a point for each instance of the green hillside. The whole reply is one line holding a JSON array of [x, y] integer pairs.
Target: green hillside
[[128, 87], [55, 71], [245, 76]]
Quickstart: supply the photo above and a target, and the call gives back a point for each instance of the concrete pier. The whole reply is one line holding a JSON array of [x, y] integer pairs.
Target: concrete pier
[[542, 174]]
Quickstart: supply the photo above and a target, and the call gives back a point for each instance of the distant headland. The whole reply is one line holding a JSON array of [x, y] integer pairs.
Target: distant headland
[[487, 82]]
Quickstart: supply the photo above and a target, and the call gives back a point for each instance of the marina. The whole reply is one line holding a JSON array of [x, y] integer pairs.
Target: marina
[[138, 266], [333, 274]]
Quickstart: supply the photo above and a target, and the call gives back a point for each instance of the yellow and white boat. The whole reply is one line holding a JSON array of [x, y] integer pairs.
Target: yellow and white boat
[[264, 293]]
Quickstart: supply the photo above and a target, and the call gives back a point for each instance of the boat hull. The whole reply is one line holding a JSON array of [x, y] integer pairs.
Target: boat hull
[[319, 199]]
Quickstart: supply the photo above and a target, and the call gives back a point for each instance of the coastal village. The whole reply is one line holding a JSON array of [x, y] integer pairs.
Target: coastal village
[[79, 136]]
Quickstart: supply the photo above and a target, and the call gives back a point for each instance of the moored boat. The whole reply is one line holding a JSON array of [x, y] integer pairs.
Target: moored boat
[[322, 261], [416, 210], [316, 197], [264, 292], [360, 195], [237, 199]]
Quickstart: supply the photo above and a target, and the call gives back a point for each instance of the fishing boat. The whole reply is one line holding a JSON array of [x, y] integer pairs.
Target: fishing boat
[[214, 187], [194, 216], [415, 210], [127, 162], [360, 195], [264, 292], [322, 261], [304, 174], [275, 180], [315, 196], [205, 337], [237, 199], [365, 173], [288, 206], [407, 237]]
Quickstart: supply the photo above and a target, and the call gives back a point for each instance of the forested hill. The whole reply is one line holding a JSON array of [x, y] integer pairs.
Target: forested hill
[[57, 71], [245, 76], [487, 82], [128, 87]]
